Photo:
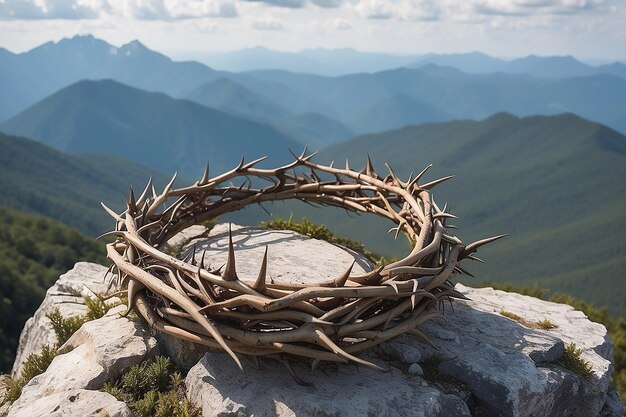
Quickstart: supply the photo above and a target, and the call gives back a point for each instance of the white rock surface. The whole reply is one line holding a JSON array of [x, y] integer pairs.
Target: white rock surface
[[221, 389], [67, 294], [76, 403], [291, 256], [510, 369], [100, 351]]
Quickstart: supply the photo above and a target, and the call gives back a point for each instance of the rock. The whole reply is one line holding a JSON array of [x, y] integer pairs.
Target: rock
[[100, 351], [513, 370], [221, 389], [5, 407], [75, 403], [291, 256], [184, 236], [67, 294], [613, 406], [415, 369]]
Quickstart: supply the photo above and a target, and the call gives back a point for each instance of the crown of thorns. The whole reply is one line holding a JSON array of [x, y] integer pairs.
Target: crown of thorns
[[330, 320]]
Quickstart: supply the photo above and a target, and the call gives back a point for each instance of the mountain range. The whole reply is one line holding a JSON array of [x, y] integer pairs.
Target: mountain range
[[319, 110], [153, 129], [337, 62]]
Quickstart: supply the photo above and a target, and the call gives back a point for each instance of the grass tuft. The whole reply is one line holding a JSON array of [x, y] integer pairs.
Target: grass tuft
[[64, 328], [572, 360], [547, 324], [153, 389]]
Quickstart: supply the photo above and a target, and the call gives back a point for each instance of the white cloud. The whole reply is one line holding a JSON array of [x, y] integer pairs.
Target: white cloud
[[415, 10], [47, 9], [265, 22]]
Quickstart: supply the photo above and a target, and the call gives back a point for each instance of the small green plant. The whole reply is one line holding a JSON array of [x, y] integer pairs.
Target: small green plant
[[64, 328], [319, 231], [35, 364], [153, 388], [544, 324], [512, 316], [547, 324], [572, 360]]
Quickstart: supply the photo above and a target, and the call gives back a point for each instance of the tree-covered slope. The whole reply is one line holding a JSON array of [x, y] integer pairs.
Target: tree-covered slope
[[34, 251], [69, 188], [150, 128], [554, 183]]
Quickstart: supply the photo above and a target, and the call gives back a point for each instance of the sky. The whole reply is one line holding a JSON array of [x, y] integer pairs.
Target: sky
[[587, 29]]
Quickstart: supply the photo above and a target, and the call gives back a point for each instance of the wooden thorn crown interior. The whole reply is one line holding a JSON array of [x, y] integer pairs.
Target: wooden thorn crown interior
[[328, 321]]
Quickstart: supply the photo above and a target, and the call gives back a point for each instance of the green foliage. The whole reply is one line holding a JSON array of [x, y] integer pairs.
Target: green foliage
[[64, 327], [68, 188], [546, 324], [34, 251], [572, 359], [153, 389], [319, 231], [35, 364]]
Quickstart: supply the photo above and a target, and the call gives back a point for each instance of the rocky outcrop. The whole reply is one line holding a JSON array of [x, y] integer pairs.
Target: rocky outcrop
[[483, 363], [100, 351], [68, 295]]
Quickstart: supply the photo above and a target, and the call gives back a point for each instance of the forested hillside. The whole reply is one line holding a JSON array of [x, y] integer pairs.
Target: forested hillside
[[69, 188], [34, 251]]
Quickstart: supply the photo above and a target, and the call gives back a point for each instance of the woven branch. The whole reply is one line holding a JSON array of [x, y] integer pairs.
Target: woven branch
[[331, 320]]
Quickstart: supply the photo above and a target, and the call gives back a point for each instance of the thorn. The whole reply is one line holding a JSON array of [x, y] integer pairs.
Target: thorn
[[144, 195], [202, 259], [230, 274], [434, 183], [369, 168], [259, 285], [341, 280], [421, 174], [205, 175], [475, 258], [348, 165], [169, 184], [111, 212], [241, 162], [473, 247]]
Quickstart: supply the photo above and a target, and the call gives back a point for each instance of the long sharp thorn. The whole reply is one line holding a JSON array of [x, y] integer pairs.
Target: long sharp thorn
[[111, 212], [112, 233], [202, 259], [205, 175], [369, 168], [230, 272], [434, 183], [169, 184], [464, 271], [332, 163], [132, 202], [475, 258], [259, 285], [421, 336], [256, 161], [144, 195], [341, 280], [421, 174], [472, 247], [393, 174], [303, 154], [348, 165]]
